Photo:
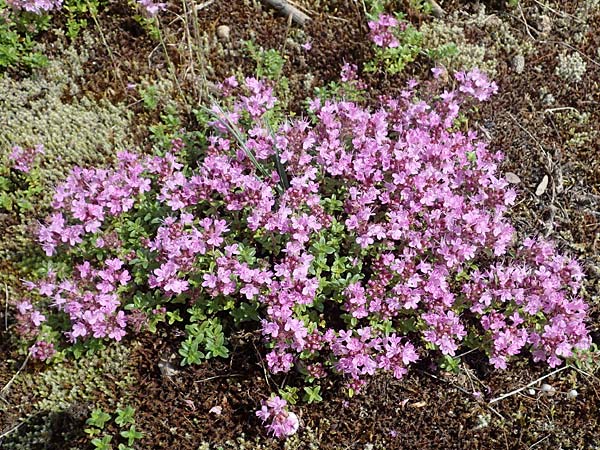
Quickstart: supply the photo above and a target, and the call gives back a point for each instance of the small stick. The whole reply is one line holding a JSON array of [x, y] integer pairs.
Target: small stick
[[525, 22], [288, 10], [16, 427], [6, 308], [218, 376], [562, 108], [593, 61], [516, 391]]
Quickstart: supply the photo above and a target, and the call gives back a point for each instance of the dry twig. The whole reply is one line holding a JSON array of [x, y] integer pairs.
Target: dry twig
[[516, 391], [288, 10]]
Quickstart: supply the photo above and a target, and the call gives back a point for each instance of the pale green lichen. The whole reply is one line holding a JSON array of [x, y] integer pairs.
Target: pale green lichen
[[577, 126], [438, 34], [468, 54], [571, 67], [47, 108]]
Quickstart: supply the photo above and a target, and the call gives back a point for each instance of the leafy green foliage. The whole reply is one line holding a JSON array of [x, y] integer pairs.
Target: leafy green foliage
[[98, 418], [124, 420], [205, 334], [125, 416], [269, 63], [17, 32], [102, 444], [312, 394], [18, 190], [394, 60], [78, 13]]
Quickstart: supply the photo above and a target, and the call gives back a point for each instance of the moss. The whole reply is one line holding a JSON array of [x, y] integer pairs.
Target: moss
[[62, 395], [67, 383]]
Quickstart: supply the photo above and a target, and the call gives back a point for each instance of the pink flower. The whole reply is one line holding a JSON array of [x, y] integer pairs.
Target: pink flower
[[151, 8], [382, 31], [280, 421], [35, 6], [23, 159]]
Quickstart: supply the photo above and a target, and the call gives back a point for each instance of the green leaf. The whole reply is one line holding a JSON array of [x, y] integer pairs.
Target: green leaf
[[98, 418], [245, 313], [173, 316], [102, 444], [131, 435], [125, 416], [312, 395]]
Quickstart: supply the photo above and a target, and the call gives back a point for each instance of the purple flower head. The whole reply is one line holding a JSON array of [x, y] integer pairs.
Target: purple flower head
[[382, 31], [35, 6], [278, 420], [24, 158], [152, 8], [476, 84]]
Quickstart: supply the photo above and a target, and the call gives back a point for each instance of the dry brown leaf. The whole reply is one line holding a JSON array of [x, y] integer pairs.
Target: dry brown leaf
[[419, 404]]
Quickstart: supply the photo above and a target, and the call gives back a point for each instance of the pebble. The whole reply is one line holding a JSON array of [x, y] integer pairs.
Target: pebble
[[572, 394], [547, 389], [223, 32], [167, 369], [542, 186], [512, 178]]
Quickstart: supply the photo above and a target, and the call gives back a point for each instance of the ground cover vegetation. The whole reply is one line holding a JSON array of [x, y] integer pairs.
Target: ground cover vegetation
[[350, 229]]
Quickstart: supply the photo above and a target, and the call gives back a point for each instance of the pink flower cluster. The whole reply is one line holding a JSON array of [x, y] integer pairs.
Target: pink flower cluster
[[42, 350], [35, 6], [89, 299], [509, 296], [29, 318], [89, 196], [279, 421], [23, 159], [476, 84], [382, 31], [337, 231]]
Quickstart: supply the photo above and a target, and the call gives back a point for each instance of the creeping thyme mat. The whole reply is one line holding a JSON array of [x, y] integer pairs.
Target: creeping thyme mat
[[350, 245], [377, 220]]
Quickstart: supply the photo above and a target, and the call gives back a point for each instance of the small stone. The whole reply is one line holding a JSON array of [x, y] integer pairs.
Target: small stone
[[544, 25], [223, 32], [518, 63], [531, 391], [542, 186], [547, 389], [436, 9], [512, 178], [572, 394]]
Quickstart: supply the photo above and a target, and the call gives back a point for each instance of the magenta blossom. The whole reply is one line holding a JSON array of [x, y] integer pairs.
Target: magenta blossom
[[279, 421]]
